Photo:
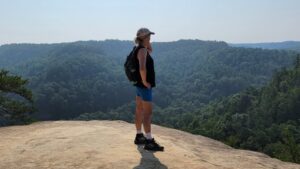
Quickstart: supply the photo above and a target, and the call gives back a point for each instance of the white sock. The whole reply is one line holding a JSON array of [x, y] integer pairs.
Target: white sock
[[148, 136], [139, 132]]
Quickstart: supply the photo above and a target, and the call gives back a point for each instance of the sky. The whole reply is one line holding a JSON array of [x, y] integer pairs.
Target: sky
[[233, 21]]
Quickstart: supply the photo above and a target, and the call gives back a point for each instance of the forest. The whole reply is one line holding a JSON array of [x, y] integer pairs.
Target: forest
[[246, 97]]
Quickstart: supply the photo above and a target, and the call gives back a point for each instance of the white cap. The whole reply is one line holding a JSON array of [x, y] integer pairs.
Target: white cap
[[143, 32]]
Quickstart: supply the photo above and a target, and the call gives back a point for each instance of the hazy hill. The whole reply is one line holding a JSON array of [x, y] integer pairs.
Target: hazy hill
[[69, 79], [263, 119], [287, 45]]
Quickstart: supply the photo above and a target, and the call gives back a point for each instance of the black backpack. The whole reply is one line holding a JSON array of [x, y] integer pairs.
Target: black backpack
[[131, 67]]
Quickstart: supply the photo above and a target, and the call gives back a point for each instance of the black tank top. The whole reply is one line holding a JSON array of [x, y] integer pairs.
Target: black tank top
[[150, 73]]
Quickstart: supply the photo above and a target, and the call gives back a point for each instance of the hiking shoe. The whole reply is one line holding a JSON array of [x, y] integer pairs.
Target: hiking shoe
[[152, 145], [140, 139]]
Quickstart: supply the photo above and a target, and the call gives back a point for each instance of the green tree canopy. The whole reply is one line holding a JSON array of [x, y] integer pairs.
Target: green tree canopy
[[15, 100]]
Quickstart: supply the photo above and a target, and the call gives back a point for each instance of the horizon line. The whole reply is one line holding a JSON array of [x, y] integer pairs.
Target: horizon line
[[108, 39]]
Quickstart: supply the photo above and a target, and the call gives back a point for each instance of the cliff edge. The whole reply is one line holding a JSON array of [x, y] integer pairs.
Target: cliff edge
[[109, 145]]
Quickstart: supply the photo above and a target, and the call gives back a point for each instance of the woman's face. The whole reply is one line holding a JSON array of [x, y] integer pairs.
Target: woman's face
[[147, 38]]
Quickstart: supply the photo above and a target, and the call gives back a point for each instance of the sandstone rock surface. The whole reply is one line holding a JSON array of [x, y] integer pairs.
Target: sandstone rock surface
[[109, 145]]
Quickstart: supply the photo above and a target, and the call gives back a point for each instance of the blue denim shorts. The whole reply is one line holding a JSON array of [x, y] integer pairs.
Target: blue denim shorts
[[144, 93]]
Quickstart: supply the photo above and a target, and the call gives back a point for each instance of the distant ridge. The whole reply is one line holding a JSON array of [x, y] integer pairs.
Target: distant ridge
[[289, 45]]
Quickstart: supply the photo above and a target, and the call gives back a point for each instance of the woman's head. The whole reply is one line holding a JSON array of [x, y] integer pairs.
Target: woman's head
[[142, 36]]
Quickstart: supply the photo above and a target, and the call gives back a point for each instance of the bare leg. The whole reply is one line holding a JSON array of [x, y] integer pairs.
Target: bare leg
[[150, 142], [147, 108], [138, 113]]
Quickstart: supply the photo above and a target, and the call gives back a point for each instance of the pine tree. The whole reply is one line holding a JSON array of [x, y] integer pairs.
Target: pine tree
[[16, 102]]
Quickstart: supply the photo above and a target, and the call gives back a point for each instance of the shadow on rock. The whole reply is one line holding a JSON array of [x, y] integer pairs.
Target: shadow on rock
[[148, 160]]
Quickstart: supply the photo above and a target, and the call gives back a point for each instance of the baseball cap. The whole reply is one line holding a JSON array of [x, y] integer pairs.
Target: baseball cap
[[143, 32]]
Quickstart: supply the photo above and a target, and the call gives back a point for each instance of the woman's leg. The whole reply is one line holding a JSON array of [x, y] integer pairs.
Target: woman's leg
[[138, 113], [147, 110]]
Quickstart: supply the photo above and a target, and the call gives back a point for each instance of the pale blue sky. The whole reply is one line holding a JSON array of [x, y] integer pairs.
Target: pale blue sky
[[235, 21]]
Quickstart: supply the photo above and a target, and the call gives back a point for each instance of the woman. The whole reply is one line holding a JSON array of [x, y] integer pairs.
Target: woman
[[144, 87]]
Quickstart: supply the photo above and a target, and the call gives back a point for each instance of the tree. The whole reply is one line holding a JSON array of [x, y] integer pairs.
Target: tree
[[297, 64], [16, 102]]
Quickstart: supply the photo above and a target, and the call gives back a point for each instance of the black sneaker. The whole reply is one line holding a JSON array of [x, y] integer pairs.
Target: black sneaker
[[153, 146], [140, 139]]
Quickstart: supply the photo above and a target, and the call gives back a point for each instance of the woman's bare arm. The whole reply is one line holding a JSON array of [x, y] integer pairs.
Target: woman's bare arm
[[142, 54]]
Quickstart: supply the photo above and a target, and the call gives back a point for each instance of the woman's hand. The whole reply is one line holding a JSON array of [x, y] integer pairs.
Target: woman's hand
[[149, 48], [145, 83]]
